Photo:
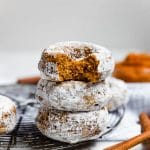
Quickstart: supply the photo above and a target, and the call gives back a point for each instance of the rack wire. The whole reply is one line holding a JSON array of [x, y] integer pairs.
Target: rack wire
[[27, 136]]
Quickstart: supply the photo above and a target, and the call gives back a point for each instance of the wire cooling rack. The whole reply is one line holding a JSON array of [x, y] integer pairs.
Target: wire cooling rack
[[27, 136]]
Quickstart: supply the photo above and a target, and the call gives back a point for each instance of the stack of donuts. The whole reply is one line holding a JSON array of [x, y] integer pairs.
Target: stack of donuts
[[76, 91]]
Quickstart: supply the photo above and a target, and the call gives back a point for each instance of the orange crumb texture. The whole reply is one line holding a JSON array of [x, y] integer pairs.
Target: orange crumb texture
[[69, 69], [134, 68]]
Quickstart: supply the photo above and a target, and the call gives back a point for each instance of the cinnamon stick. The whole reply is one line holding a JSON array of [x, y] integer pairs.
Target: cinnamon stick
[[145, 125], [145, 122], [29, 80], [131, 142]]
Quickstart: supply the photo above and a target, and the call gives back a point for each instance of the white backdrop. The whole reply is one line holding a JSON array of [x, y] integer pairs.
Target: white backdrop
[[34, 24]]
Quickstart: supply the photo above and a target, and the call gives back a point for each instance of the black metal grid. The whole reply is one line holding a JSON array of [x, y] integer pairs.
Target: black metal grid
[[27, 136]]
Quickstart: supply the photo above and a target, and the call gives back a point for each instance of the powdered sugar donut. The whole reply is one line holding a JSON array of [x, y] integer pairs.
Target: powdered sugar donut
[[119, 93], [76, 61], [71, 127], [73, 95], [7, 114]]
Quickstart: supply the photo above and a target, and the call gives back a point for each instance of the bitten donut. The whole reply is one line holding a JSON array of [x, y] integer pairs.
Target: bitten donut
[[71, 127], [119, 92], [7, 115], [74, 60], [73, 95]]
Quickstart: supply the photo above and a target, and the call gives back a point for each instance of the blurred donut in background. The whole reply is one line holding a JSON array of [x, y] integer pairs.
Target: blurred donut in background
[[7, 115]]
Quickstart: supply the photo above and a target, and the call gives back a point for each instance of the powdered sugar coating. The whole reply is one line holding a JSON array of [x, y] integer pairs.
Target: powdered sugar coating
[[50, 72], [7, 114], [119, 92], [73, 95], [71, 127]]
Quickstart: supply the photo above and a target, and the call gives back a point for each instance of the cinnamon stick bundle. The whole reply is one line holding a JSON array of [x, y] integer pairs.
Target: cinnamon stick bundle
[[29, 80], [145, 125], [131, 142]]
